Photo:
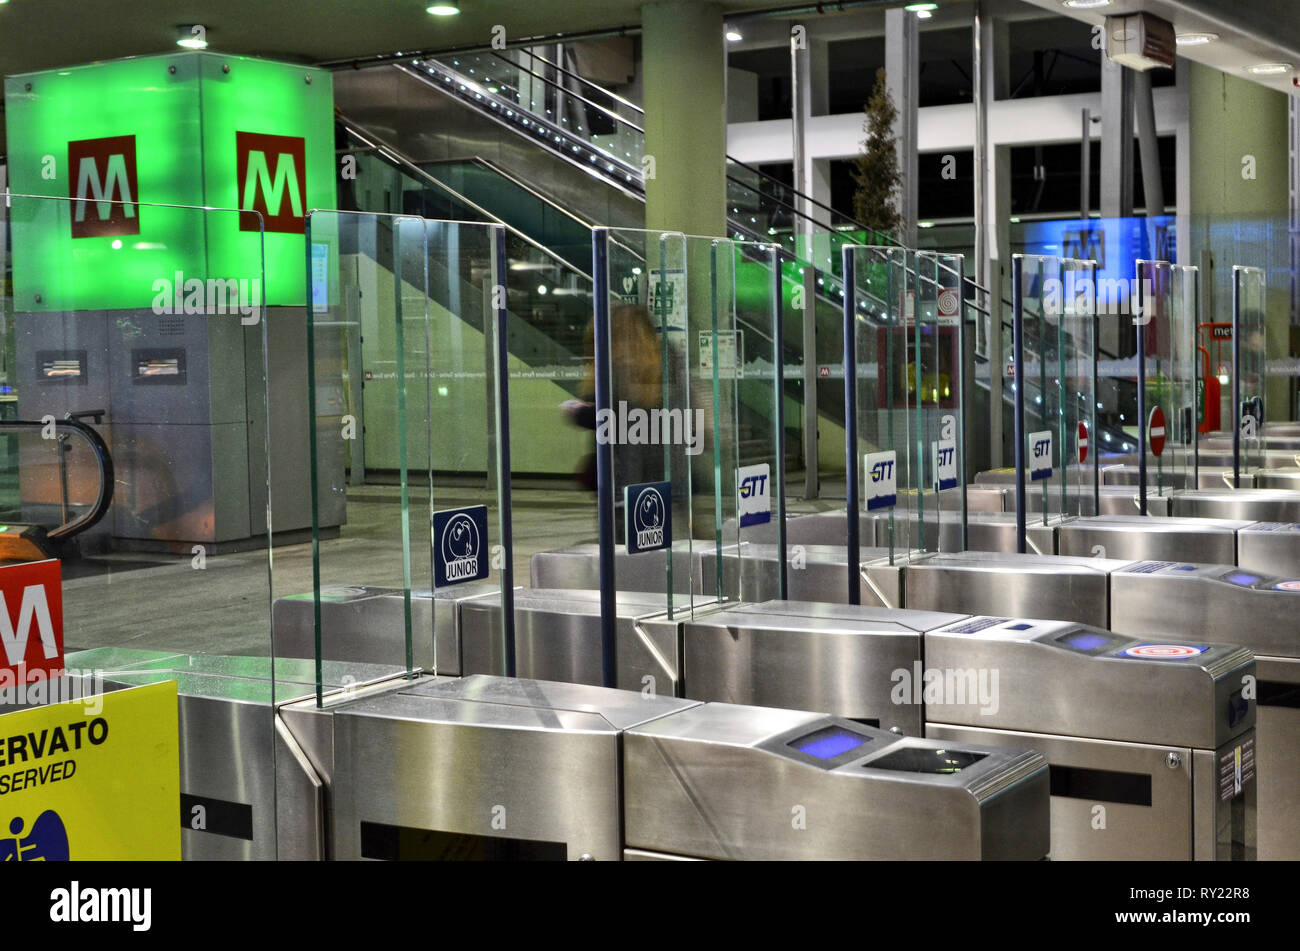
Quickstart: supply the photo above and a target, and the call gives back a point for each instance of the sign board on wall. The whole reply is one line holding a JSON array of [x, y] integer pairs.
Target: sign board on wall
[[185, 128]]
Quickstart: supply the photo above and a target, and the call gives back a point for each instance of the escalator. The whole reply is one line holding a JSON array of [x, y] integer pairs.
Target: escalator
[[431, 130], [56, 483]]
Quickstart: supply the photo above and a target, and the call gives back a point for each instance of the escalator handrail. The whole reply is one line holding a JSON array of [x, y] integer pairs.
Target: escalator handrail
[[407, 165], [103, 460], [639, 111]]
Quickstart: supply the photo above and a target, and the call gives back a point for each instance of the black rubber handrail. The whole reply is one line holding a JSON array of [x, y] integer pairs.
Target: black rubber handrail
[[103, 459]]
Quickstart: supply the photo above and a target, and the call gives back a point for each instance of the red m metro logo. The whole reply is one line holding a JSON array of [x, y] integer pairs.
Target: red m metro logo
[[31, 602], [101, 171], [272, 179]]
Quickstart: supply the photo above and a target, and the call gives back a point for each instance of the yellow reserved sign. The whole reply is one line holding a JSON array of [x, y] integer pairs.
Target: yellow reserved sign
[[97, 778]]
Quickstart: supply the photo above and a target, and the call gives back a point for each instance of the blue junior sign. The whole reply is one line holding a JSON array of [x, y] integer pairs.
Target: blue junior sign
[[648, 511], [460, 545]]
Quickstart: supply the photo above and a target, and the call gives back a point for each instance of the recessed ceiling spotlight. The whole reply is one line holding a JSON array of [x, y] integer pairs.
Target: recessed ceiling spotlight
[[1270, 69], [444, 8], [1195, 39], [733, 35], [192, 37], [1085, 4]]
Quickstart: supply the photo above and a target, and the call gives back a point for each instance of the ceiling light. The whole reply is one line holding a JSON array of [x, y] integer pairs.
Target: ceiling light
[[1195, 39], [733, 35], [444, 8], [1270, 69], [192, 37], [921, 7], [1085, 4]]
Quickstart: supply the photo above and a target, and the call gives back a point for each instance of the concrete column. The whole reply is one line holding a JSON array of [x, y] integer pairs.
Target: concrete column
[[685, 65], [1239, 201], [1116, 140], [902, 79]]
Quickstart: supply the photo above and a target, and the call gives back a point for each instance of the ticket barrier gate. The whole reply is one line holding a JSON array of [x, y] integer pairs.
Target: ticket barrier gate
[[721, 781], [1254, 505], [1259, 612], [1151, 744], [972, 582], [1287, 478], [1272, 547], [557, 637], [247, 790], [836, 658], [579, 567], [482, 768], [362, 624]]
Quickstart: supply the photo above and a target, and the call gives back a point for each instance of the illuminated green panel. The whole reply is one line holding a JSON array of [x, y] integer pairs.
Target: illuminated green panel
[[184, 111]]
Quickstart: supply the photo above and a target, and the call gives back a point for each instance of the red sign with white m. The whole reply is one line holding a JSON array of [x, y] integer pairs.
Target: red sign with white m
[[31, 617]]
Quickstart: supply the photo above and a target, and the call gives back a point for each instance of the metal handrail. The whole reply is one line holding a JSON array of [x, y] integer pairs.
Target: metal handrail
[[408, 166], [103, 461]]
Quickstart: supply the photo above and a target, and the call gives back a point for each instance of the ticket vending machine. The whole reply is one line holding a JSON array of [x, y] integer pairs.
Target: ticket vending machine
[[1151, 741]]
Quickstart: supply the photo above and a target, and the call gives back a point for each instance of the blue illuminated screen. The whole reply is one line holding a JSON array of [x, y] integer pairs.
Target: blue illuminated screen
[[1085, 640], [830, 742], [1243, 579]]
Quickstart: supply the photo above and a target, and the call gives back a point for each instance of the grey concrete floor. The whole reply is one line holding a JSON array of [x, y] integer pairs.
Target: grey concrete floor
[[222, 603]]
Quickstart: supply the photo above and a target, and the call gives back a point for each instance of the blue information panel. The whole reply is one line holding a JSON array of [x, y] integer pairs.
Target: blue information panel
[[648, 509], [460, 549]]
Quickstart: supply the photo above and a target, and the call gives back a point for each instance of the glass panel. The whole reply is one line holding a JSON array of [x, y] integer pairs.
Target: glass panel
[[1079, 401], [660, 299], [887, 357], [142, 446], [939, 398], [752, 467], [1040, 375], [1250, 337], [404, 321]]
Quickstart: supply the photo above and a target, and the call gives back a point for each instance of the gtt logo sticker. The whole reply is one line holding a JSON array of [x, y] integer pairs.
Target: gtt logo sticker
[[754, 486], [101, 171], [272, 179], [1040, 455], [880, 479]]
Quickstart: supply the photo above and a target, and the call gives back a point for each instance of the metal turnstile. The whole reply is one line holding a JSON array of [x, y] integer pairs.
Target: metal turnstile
[[1151, 742], [482, 768], [840, 659], [557, 637], [368, 625], [579, 567], [1257, 611], [1135, 537], [719, 781], [972, 582], [247, 790], [1252, 505], [1283, 478], [813, 573]]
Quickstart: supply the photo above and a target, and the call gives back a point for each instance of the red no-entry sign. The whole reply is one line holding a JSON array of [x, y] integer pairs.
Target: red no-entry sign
[[1083, 442], [1156, 431]]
